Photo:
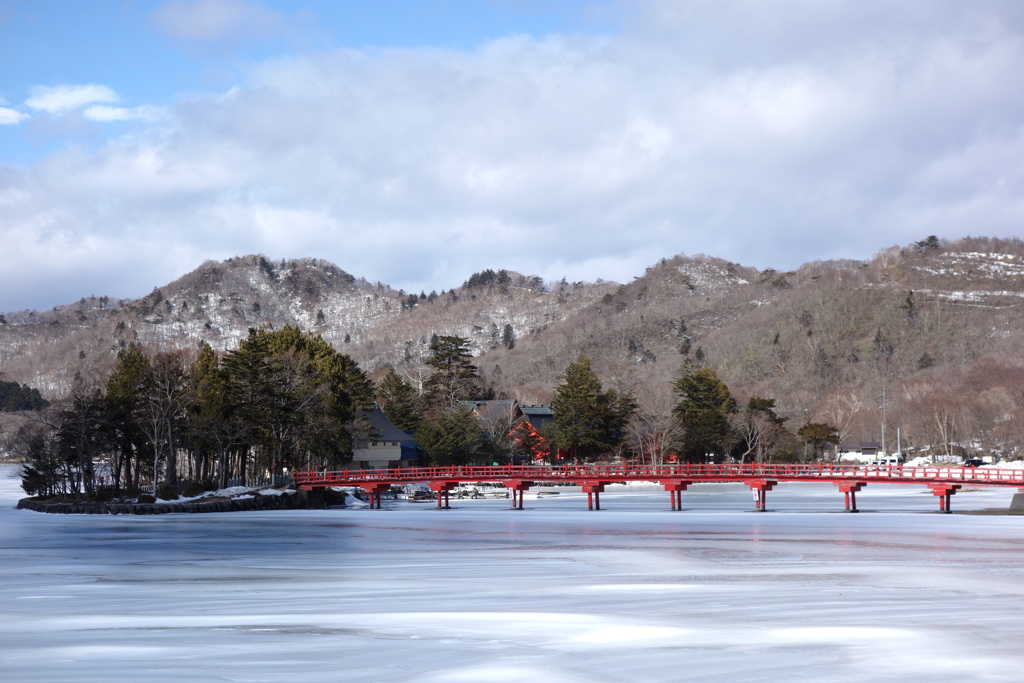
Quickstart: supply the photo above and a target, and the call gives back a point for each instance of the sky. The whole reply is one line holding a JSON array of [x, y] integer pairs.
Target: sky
[[415, 142]]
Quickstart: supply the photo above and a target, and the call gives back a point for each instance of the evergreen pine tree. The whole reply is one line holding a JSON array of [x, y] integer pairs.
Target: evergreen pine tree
[[399, 400], [455, 377], [588, 419], [703, 412], [451, 437]]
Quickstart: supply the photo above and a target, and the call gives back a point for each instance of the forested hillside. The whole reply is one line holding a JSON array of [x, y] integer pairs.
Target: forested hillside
[[925, 339]]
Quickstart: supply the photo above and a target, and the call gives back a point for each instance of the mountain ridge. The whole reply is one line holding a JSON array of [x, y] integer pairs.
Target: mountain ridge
[[811, 338]]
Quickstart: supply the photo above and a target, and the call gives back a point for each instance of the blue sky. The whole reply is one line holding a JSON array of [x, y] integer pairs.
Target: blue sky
[[417, 142], [145, 54]]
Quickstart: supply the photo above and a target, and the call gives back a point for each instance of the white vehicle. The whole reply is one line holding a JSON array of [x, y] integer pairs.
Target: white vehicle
[[889, 460]]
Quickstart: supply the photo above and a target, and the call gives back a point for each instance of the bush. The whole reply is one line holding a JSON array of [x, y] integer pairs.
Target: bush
[[103, 495], [193, 489], [166, 492], [146, 498]]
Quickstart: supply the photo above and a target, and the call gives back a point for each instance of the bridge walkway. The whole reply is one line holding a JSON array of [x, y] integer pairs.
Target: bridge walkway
[[943, 481]]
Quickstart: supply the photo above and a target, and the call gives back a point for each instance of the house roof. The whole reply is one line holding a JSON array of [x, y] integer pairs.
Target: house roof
[[492, 409], [856, 445], [538, 416], [385, 429]]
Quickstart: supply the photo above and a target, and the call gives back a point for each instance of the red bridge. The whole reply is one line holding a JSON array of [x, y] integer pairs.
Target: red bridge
[[761, 478]]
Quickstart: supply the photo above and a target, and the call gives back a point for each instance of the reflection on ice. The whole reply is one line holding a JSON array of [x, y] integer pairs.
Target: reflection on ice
[[554, 592]]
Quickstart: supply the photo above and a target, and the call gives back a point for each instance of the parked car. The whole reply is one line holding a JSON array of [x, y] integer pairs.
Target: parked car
[[973, 462]]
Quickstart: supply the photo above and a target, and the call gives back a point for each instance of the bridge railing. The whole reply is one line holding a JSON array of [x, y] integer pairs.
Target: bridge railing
[[697, 472]]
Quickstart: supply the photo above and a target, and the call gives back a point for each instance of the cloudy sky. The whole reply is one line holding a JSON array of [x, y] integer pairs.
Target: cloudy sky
[[414, 142]]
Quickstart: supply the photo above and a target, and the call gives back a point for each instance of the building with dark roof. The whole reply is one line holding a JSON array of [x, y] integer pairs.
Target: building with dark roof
[[388, 446]]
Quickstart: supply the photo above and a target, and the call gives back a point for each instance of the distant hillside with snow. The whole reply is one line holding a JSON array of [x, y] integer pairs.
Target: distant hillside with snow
[[927, 336]]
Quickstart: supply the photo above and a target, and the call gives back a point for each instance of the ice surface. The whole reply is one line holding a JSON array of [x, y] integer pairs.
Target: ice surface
[[634, 592]]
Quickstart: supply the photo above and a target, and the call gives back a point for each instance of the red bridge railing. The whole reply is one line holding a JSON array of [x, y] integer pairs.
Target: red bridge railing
[[975, 476]]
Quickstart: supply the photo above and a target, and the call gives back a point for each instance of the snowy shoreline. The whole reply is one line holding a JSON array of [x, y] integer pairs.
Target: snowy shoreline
[[253, 500]]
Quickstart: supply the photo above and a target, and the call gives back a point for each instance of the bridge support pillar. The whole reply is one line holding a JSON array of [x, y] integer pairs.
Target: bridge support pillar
[[593, 489], [675, 491], [374, 491], [944, 492], [516, 488], [760, 487], [849, 489], [442, 488]]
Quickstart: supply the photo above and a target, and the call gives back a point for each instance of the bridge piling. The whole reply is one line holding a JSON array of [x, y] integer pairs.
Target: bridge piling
[[443, 488], [593, 490], [945, 493], [849, 489], [675, 490], [760, 487], [375, 492], [516, 489]]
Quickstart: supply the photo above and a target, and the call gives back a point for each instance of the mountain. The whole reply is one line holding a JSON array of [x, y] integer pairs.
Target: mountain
[[891, 340]]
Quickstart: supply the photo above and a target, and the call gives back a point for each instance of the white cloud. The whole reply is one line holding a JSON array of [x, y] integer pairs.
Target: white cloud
[[61, 99], [731, 131], [11, 117], [209, 21], [107, 114]]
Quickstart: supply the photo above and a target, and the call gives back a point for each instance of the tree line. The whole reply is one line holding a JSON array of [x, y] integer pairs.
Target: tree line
[[589, 421], [286, 399], [16, 397], [283, 399]]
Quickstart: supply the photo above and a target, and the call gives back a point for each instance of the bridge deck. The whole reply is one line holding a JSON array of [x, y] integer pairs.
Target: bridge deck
[[761, 478], [580, 474]]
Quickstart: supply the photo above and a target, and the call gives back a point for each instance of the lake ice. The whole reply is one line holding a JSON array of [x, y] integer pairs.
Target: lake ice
[[633, 592]]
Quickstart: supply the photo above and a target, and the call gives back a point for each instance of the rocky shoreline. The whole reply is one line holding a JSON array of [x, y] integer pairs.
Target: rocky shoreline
[[254, 501]]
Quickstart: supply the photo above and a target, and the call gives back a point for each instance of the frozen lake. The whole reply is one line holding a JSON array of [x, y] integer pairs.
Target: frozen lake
[[633, 592]]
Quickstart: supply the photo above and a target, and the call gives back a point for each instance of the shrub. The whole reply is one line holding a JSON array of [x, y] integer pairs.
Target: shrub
[[193, 489], [146, 498], [166, 492], [103, 495]]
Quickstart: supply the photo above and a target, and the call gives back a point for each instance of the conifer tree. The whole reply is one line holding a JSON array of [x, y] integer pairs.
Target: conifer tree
[[704, 407], [214, 425], [451, 437], [817, 434], [125, 401], [455, 377], [588, 419], [399, 400]]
